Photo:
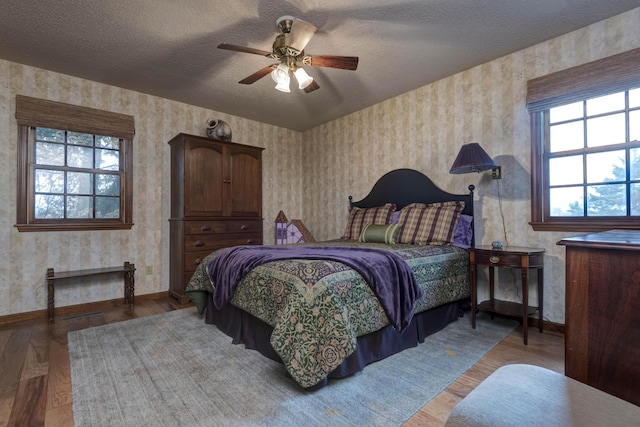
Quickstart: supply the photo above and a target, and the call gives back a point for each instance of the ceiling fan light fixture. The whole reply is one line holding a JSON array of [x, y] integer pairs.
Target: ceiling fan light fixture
[[284, 23], [280, 73], [283, 86], [301, 32], [303, 78], [288, 49]]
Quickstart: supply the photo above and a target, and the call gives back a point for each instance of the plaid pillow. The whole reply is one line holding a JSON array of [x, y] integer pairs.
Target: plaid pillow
[[432, 224], [360, 217]]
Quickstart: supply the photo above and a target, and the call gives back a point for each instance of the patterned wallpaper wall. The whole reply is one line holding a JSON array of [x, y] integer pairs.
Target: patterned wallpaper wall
[[424, 129], [26, 256]]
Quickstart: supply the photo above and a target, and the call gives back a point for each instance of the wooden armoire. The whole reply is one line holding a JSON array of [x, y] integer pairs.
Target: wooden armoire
[[216, 202]]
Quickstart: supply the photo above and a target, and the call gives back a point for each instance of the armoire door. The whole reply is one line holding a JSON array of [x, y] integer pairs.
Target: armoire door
[[203, 179], [244, 197]]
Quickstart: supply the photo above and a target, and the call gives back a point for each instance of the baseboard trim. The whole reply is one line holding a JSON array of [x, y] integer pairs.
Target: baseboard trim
[[547, 325], [93, 306], [534, 322], [78, 308]]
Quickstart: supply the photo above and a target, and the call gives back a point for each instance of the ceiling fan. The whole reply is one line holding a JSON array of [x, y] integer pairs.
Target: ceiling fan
[[288, 48]]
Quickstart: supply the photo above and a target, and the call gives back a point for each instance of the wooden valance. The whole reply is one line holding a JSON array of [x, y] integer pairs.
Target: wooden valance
[[604, 76], [57, 115]]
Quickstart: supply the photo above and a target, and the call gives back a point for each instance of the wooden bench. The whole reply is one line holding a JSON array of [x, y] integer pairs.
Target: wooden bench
[[129, 282]]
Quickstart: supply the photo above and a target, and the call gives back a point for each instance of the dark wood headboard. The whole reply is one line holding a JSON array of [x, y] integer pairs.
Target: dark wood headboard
[[405, 186]]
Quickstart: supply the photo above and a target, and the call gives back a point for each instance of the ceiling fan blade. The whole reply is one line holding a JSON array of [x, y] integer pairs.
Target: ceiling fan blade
[[313, 86], [243, 49], [342, 62], [300, 34], [257, 75]]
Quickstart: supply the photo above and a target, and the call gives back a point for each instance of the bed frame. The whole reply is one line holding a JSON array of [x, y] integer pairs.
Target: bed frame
[[402, 187], [406, 186]]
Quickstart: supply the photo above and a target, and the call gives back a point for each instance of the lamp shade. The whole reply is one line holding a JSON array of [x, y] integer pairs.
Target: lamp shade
[[283, 85], [280, 75], [303, 78], [472, 158]]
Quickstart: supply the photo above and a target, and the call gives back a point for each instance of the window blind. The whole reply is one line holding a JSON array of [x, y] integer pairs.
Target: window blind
[[604, 76], [57, 115]]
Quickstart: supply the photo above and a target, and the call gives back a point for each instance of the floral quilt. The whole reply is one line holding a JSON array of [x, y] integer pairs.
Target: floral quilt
[[318, 308]]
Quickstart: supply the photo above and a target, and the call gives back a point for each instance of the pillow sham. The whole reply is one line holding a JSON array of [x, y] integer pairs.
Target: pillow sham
[[464, 232], [359, 217], [376, 233], [394, 217], [432, 224]]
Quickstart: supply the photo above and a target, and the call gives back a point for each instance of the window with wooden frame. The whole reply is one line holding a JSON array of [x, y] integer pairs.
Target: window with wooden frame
[[585, 146], [74, 167]]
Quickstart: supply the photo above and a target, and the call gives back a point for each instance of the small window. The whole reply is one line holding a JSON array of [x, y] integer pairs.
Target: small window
[[71, 178], [76, 175]]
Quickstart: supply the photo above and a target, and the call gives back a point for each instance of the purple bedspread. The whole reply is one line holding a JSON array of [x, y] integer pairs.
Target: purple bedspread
[[388, 275]]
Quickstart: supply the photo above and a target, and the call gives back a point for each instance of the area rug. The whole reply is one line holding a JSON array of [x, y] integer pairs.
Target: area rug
[[172, 369]]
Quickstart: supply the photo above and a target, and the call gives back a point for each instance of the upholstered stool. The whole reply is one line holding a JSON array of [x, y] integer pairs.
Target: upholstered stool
[[526, 395]]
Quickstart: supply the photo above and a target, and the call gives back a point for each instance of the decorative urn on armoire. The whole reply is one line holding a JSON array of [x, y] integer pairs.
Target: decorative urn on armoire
[[218, 130]]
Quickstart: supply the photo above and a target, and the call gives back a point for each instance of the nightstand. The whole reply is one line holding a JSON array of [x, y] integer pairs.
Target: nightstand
[[521, 258]]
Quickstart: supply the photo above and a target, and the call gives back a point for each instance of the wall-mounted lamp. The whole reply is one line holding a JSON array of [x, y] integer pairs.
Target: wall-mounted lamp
[[472, 158]]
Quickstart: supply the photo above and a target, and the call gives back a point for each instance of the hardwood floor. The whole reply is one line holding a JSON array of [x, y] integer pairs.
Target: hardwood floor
[[546, 350], [35, 382]]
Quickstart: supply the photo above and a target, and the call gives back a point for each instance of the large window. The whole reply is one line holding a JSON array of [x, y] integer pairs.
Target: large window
[[74, 168], [593, 156], [586, 146]]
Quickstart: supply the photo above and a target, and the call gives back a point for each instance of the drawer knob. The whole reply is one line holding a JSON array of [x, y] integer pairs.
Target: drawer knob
[[198, 243], [494, 259], [250, 241], [244, 227], [205, 228], [197, 261]]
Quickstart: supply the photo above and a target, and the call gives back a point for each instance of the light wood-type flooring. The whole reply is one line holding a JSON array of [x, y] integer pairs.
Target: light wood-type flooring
[[35, 383]]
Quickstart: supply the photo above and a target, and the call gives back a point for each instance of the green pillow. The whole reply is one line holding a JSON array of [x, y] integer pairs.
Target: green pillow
[[376, 233]]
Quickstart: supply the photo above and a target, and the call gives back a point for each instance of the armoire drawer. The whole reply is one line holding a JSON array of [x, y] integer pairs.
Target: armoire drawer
[[205, 227], [217, 227], [191, 256], [248, 226], [193, 259], [199, 242]]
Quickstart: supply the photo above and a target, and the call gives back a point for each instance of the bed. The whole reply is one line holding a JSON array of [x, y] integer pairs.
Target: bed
[[310, 307]]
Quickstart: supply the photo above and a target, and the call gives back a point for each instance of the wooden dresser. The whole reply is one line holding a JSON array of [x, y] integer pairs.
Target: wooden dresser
[[602, 325], [216, 202]]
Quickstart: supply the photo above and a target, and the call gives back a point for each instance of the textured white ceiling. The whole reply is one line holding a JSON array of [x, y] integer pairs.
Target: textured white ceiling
[[168, 47]]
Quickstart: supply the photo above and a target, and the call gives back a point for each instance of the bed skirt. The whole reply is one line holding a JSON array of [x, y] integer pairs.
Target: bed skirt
[[255, 334]]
